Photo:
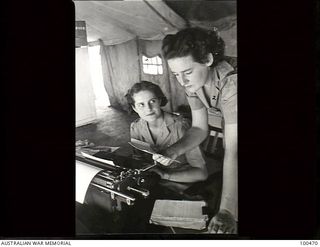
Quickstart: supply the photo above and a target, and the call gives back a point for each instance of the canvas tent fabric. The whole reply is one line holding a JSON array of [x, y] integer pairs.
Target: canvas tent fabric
[[122, 68], [126, 30], [116, 22]]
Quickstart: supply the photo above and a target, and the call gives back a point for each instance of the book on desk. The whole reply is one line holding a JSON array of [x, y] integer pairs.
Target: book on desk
[[179, 213]]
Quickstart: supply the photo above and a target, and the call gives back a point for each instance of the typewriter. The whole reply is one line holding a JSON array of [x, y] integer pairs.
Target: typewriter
[[122, 180]]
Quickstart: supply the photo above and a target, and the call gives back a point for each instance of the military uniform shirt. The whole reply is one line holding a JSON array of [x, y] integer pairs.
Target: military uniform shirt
[[222, 88], [172, 130]]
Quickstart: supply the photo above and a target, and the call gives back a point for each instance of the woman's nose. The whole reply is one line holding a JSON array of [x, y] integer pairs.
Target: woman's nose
[[183, 80], [149, 106]]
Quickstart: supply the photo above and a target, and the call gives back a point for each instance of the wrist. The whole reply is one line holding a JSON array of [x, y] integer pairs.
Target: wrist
[[230, 204]]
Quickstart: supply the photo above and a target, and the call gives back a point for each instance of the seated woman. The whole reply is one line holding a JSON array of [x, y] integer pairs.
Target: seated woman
[[161, 129]]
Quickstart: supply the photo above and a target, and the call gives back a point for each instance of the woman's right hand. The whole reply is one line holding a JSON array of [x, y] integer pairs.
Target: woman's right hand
[[166, 157], [162, 159]]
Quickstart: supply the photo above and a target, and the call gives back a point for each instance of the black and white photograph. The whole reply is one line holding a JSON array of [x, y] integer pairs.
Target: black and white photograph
[[124, 120], [156, 117]]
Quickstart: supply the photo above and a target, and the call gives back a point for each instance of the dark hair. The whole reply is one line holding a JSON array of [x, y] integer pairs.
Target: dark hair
[[196, 42], [146, 86]]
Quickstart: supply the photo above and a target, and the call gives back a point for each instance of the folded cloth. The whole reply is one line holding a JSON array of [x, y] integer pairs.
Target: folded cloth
[[176, 213]]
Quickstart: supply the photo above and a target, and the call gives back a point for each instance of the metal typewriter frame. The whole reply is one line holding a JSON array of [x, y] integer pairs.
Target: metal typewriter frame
[[123, 184]]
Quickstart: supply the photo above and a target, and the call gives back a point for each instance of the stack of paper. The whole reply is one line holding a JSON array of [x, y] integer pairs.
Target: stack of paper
[[184, 214]]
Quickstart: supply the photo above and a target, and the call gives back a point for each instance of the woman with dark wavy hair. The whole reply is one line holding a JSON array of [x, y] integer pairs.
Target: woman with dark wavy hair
[[196, 57], [161, 129]]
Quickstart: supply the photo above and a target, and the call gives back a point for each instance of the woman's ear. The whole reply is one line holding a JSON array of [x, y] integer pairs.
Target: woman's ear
[[209, 60]]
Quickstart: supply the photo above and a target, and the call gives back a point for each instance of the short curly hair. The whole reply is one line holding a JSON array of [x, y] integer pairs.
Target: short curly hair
[[194, 41], [146, 86]]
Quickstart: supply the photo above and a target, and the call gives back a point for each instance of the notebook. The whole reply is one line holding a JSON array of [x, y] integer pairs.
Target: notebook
[[177, 213]]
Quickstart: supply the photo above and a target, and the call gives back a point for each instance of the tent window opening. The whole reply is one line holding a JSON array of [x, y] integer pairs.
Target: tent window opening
[[152, 65]]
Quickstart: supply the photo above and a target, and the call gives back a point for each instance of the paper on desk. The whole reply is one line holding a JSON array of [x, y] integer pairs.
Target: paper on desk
[[184, 214], [84, 175], [94, 149], [145, 147]]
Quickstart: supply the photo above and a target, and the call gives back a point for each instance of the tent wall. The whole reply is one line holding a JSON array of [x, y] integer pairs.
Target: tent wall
[[122, 65], [227, 29], [166, 82], [123, 68], [120, 71], [85, 99]]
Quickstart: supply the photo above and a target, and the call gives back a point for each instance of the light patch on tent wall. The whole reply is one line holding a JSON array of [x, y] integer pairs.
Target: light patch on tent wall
[[152, 65]]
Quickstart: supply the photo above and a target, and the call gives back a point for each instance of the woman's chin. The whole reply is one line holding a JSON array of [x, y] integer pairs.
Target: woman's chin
[[150, 118]]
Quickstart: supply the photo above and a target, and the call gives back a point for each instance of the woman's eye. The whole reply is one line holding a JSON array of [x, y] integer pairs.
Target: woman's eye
[[189, 73], [140, 105]]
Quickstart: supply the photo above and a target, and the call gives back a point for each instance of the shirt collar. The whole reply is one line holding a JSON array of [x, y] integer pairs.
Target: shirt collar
[[165, 132], [166, 117], [220, 71]]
